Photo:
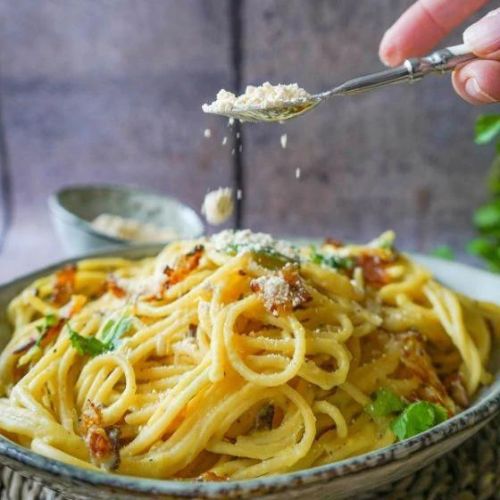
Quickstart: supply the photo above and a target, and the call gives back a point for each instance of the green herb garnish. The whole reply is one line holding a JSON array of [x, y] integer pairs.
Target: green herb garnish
[[112, 331], [87, 345], [385, 403], [267, 257], [416, 418], [443, 252], [330, 260]]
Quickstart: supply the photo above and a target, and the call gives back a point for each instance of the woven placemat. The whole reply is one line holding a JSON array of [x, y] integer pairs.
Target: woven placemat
[[471, 472]]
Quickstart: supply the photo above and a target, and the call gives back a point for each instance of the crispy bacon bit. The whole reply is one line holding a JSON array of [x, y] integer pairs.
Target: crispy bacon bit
[[46, 338], [103, 443], [264, 418], [282, 291], [374, 269], [415, 359], [25, 347], [212, 476], [112, 286], [334, 242], [456, 389], [187, 263], [192, 329], [74, 306], [51, 334], [64, 285]]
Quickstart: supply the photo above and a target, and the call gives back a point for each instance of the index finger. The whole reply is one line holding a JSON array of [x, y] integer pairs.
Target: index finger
[[422, 26]]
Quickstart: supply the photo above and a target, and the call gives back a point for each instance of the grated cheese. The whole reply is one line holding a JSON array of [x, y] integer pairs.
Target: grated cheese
[[224, 141], [131, 229], [207, 133], [297, 173], [218, 206], [284, 140], [263, 96], [275, 291], [247, 241]]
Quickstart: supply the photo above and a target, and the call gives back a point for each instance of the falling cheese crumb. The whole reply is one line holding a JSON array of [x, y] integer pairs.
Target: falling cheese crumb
[[297, 173], [283, 140], [224, 141], [207, 133], [239, 194], [218, 206]]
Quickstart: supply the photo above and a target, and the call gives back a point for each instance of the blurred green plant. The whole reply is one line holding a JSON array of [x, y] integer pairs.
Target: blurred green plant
[[487, 217], [443, 252]]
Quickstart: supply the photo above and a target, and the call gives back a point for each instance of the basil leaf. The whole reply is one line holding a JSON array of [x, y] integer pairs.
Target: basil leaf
[[266, 257], [443, 252], [115, 329], [416, 418], [487, 128], [333, 261], [87, 345], [112, 331], [384, 403]]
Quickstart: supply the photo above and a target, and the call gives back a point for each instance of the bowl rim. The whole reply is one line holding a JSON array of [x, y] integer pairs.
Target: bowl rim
[[59, 210], [476, 415]]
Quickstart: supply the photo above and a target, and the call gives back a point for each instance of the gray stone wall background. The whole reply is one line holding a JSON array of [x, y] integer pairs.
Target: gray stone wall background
[[110, 91]]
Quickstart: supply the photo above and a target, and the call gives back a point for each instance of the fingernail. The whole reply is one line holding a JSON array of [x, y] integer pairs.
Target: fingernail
[[476, 92], [483, 37], [493, 13]]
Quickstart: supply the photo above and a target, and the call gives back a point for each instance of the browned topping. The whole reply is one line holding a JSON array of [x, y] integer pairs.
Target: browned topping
[[415, 359], [212, 476], [103, 443], [24, 347], [374, 269], [241, 272], [46, 338], [282, 291], [76, 305], [64, 285], [192, 329], [334, 242], [187, 263], [112, 286], [51, 334], [264, 418], [456, 389]]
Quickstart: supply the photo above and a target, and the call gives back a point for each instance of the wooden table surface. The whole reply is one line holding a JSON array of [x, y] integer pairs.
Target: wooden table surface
[[110, 91]]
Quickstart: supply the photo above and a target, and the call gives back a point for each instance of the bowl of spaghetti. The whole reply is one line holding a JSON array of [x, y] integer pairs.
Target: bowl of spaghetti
[[242, 365]]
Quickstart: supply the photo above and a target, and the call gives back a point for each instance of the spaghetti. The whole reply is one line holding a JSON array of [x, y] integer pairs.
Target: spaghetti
[[237, 357]]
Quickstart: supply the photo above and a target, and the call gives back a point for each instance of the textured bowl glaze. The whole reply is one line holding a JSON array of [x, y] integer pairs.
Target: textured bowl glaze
[[343, 479], [74, 208]]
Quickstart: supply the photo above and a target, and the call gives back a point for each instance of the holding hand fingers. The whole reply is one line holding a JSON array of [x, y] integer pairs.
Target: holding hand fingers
[[427, 22]]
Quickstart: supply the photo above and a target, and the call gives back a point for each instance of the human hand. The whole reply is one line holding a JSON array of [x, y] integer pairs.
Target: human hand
[[423, 26]]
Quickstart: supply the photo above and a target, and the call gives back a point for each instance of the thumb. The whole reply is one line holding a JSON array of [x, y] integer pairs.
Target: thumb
[[483, 37]]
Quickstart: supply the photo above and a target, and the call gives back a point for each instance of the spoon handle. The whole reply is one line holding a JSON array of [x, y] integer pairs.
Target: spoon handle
[[411, 70]]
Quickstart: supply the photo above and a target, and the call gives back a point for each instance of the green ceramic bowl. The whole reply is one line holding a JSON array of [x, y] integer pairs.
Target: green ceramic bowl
[[350, 478], [73, 208]]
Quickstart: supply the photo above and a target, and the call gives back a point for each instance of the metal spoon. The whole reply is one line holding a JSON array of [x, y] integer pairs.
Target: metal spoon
[[411, 70]]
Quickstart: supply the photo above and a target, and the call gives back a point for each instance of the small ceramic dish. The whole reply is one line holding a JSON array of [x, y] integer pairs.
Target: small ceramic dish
[[73, 209], [343, 479]]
